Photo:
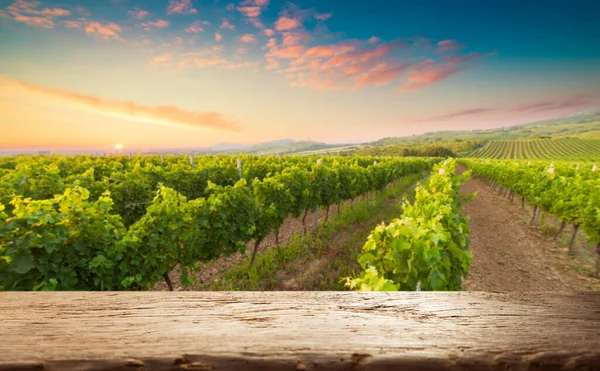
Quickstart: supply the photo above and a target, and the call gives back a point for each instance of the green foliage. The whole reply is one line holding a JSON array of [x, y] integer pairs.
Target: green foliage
[[568, 190], [427, 244], [123, 223], [63, 243]]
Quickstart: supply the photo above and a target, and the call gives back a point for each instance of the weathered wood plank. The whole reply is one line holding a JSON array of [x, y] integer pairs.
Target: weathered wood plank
[[299, 330]]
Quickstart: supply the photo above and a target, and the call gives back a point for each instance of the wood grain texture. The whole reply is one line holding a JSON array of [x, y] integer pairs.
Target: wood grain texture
[[299, 331]]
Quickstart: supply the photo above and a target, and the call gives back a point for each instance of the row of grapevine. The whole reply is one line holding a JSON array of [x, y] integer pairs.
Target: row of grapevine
[[557, 149], [427, 247], [73, 241], [132, 182], [571, 191]]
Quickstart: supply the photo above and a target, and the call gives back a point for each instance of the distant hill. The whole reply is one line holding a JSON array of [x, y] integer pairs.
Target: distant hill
[[284, 146], [584, 124]]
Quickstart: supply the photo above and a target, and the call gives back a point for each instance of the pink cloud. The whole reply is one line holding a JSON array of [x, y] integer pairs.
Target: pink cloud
[[374, 40], [272, 64], [158, 24], [324, 16], [27, 12], [250, 11], [256, 23], [248, 38], [326, 51], [268, 32], [430, 72], [207, 58], [72, 24], [196, 27], [162, 59], [461, 113], [286, 23], [104, 30], [35, 21], [181, 7], [138, 13], [227, 25], [364, 56], [577, 100], [533, 106], [295, 38], [271, 44], [261, 3], [218, 36], [381, 75], [288, 52], [449, 46], [55, 12]]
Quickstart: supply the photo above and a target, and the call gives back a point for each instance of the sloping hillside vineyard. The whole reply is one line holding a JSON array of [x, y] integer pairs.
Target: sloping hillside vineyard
[[120, 223], [569, 190], [426, 247], [576, 149]]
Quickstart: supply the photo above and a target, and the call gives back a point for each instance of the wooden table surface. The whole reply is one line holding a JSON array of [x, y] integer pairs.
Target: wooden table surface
[[298, 331]]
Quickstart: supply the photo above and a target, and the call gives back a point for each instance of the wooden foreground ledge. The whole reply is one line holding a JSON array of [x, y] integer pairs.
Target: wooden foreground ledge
[[299, 331]]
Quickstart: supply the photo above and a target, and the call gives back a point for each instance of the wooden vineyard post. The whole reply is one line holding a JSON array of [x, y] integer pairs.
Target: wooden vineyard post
[[316, 215], [162, 159], [192, 162], [239, 167], [597, 259]]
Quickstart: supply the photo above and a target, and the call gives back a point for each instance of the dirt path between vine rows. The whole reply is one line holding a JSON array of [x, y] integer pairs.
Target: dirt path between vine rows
[[511, 255]]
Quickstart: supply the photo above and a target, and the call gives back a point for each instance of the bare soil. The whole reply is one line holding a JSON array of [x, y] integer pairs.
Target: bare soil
[[511, 255]]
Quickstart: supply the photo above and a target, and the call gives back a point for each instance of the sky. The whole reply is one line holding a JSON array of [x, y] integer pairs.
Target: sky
[[193, 73]]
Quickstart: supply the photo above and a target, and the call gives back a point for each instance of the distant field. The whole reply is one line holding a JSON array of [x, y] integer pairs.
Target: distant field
[[559, 149]]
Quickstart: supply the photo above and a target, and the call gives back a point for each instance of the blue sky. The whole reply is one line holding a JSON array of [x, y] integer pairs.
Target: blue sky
[[167, 73]]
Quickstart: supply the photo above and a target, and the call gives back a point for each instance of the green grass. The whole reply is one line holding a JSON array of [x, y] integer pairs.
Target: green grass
[[264, 274]]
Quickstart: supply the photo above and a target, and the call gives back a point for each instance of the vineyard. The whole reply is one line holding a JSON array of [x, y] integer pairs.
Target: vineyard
[[568, 190], [120, 223], [125, 223], [553, 149]]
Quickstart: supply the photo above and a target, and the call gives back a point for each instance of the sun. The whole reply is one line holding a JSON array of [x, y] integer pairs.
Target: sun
[[119, 147]]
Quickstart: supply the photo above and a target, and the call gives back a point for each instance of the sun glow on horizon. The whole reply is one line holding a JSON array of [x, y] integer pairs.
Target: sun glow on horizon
[[119, 147]]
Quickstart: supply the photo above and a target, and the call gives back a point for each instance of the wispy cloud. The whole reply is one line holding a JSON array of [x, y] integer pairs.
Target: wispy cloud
[[248, 39], [138, 14], [218, 36], [250, 11], [27, 12], [285, 23], [323, 16], [166, 115], [196, 26], [533, 106], [104, 30], [226, 25], [431, 71], [449, 46], [577, 100], [181, 7], [160, 23], [453, 115]]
